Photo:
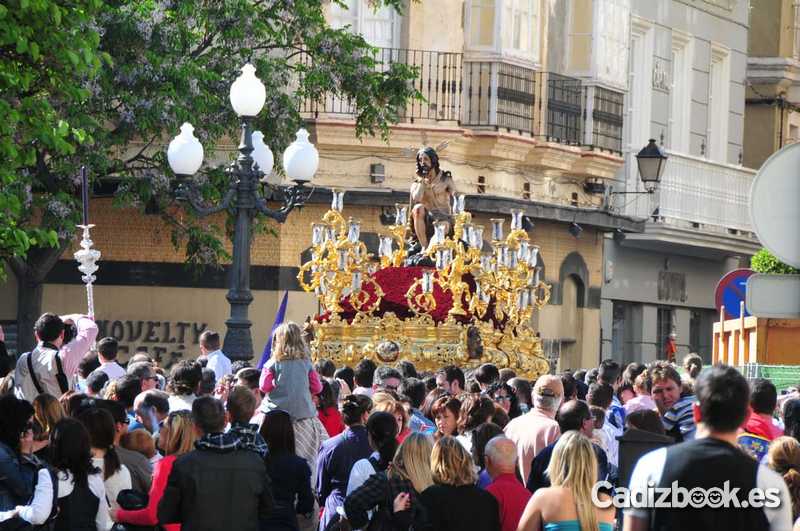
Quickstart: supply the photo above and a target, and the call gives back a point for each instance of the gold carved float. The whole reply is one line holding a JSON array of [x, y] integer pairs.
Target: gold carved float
[[473, 304]]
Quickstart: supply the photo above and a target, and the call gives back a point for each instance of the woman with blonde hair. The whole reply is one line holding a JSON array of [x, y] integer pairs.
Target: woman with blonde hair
[[408, 474], [567, 504], [784, 458], [289, 380], [176, 438], [453, 502], [47, 411]]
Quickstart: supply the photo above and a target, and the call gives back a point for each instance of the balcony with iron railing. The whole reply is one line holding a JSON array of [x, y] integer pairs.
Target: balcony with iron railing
[[704, 197], [439, 81], [498, 96]]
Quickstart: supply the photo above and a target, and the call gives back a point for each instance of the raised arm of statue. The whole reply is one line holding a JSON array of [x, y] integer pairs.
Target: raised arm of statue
[[417, 191]]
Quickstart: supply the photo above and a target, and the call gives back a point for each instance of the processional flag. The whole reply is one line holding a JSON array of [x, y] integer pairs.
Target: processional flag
[[279, 318]]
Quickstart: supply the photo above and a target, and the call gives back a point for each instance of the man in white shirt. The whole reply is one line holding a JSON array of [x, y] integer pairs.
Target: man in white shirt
[[55, 359], [711, 464], [217, 360], [184, 378], [600, 395], [107, 349]]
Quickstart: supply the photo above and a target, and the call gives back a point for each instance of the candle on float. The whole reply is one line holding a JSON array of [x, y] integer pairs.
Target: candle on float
[[85, 195]]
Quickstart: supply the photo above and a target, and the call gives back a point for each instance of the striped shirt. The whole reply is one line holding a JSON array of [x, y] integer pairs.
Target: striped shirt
[[679, 420]]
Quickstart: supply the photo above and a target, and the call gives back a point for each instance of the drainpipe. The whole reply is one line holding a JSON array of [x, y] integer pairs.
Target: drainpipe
[[781, 106]]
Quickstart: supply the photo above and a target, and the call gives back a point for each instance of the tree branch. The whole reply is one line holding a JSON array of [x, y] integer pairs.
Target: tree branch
[[48, 256], [43, 172], [18, 267], [141, 151]]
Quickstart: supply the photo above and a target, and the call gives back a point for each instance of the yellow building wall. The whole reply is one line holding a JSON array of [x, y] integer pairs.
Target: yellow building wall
[[167, 321], [764, 34], [424, 23], [125, 235], [760, 134]]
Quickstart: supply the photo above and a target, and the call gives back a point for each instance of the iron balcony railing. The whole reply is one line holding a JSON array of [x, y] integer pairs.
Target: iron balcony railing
[[607, 120], [439, 81], [565, 100], [498, 95], [694, 190]]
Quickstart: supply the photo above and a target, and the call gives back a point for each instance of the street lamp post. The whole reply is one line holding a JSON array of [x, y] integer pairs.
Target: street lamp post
[[300, 162], [650, 161]]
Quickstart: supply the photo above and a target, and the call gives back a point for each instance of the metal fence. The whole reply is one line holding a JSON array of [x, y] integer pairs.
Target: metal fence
[[607, 120], [782, 376], [565, 97], [494, 94], [438, 80], [696, 190], [499, 95]]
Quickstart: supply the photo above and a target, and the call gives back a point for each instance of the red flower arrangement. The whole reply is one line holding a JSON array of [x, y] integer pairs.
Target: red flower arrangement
[[395, 282]]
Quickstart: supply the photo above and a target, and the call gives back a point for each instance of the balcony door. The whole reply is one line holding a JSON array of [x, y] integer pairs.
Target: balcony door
[[379, 27], [637, 122]]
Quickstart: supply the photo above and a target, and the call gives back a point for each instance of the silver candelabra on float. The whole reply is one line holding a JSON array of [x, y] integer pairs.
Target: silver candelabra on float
[[87, 264]]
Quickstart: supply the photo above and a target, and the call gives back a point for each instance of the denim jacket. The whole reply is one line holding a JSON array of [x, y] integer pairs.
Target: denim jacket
[[16, 479]]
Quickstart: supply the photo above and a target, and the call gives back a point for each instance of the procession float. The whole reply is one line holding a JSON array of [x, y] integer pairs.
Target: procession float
[[437, 293]]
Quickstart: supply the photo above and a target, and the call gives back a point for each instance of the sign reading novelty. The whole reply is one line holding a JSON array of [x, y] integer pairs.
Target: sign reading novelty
[[166, 341]]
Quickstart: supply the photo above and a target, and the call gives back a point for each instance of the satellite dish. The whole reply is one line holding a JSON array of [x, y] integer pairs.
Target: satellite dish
[[775, 204]]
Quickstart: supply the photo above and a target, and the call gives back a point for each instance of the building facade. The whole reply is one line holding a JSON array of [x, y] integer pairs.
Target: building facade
[[523, 100], [772, 110], [686, 90]]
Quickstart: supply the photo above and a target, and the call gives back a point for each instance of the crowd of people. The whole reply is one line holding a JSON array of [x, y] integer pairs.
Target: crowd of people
[[89, 444]]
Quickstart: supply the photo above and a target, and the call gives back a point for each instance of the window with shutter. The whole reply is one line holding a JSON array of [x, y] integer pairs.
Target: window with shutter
[[481, 23], [520, 17], [718, 105], [377, 26], [347, 15], [613, 27], [681, 93], [579, 40], [597, 40], [518, 27]]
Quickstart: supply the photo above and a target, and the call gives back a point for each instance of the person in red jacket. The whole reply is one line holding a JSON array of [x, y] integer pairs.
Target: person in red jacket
[[176, 438], [759, 430], [327, 411]]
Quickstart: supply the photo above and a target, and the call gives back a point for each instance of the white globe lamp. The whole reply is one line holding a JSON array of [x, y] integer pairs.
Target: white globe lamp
[[185, 152], [301, 159], [263, 157], [248, 93]]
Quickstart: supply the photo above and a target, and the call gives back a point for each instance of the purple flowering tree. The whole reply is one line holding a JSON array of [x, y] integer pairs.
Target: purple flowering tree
[[106, 84]]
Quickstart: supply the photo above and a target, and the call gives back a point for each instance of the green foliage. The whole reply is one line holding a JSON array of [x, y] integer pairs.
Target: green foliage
[[766, 262], [48, 52], [106, 84]]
